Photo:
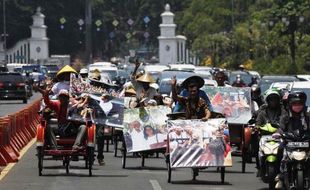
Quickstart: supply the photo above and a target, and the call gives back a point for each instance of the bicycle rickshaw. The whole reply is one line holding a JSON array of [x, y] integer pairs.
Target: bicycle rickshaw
[[235, 104], [190, 156], [149, 120], [65, 152]]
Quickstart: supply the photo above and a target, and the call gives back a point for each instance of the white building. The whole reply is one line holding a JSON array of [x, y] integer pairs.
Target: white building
[[172, 48], [33, 49]]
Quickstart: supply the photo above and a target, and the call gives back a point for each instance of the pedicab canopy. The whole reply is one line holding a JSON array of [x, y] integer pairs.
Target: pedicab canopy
[[145, 128], [194, 143], [104, 105], [233, 102], [66, 69]]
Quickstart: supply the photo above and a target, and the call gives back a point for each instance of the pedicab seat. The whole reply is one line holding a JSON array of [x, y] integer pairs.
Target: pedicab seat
[[65, 141]]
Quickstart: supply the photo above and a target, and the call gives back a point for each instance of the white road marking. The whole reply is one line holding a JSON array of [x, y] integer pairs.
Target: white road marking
[[10, 166], [155, 184]]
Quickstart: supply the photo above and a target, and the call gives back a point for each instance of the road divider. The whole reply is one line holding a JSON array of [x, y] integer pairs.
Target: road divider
[[16, 131]]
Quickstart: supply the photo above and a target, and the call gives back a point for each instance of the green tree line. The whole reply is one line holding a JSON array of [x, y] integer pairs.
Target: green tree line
[[270, 36]]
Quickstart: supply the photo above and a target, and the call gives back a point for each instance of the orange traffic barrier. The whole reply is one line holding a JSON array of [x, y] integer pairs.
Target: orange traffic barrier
[[16, 131], [5, 149]]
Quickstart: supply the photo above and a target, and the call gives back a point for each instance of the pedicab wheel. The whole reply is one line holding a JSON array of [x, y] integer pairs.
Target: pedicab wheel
[[195, 173], [169, 172], [244, 159], [86, 162], [67, 164], [40, 160], [222, 174], [124, 159], [143, 159], [90, 158], [124, 155], [115, 146]]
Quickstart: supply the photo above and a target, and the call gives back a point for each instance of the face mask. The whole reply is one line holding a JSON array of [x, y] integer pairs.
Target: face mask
[[297, 108]]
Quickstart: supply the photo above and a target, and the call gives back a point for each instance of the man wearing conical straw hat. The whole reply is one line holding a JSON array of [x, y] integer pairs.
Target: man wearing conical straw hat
[[63, 77], [142, 85]]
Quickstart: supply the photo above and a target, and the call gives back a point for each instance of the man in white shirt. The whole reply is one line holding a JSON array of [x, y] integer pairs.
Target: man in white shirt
[[63, 76], [142, 85], [137, 136]]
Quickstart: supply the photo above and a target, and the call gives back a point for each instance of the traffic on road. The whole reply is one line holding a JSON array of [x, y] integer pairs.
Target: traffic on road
[[119, 101]]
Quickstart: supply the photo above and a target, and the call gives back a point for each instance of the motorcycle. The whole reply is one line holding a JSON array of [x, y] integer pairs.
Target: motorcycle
[[267, 154], [297, 152]]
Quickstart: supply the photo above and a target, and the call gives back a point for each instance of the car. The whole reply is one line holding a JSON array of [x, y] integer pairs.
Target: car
[[52, 70], [246, 76], [303, 77], [165, 77], [13, 86], [182, 67], [155, 70], [3, 68], [204, 71], [267, 80], [280, 85], [104, 67], [301, 86]]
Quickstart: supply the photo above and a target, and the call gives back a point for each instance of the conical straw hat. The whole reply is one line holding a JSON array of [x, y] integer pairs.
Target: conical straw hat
[[146, 78], [66, 69]]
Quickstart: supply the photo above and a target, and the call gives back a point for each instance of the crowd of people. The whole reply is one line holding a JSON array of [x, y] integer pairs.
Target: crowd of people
[[286, 110]]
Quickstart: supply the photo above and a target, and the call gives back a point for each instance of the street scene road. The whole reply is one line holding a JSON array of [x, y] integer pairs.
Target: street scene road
[[11, 106], [24, 175], [192, 94]]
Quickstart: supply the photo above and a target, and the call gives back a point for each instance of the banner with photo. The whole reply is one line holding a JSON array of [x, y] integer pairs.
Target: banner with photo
[[106, 109], [145, 128], [233, 102], [194, 143]]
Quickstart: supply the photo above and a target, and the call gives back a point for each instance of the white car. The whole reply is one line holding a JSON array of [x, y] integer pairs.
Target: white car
[[202, 70], [104, 67], [304, 77], [303, 86], [155, 70], [281, 85], [182, 67]]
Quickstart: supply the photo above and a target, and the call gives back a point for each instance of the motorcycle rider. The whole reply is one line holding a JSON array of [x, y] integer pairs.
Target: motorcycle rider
[[239, 82], [297, 118], [256, 95], [270, 112]]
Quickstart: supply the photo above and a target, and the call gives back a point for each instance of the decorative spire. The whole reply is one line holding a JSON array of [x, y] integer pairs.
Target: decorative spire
[[167, 7], [39, 10]]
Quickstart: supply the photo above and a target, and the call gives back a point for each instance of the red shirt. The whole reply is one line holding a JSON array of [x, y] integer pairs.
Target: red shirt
[[61, 111]]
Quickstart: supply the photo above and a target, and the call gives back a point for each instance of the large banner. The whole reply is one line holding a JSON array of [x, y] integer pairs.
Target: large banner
[[106, 109], [193, 143], [233, 102], [145, 128]]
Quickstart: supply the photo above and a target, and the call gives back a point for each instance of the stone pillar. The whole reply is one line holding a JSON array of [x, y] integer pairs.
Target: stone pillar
[[38, 42]]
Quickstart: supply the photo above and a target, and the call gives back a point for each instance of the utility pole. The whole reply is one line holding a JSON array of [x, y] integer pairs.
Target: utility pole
[[88, 36], [4, 34]]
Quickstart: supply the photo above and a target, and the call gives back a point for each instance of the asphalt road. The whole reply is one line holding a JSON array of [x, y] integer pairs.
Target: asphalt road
[[11, 106], [24, 174]]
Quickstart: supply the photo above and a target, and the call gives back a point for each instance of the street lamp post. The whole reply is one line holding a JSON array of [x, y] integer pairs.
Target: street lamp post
[[4, 35], [88, 26]]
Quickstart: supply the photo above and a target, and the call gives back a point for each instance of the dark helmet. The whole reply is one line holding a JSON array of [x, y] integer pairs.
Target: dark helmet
[[255, 89], [297, 96]]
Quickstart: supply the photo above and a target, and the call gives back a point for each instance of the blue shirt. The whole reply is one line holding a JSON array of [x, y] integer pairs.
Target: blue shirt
[[185, 93]]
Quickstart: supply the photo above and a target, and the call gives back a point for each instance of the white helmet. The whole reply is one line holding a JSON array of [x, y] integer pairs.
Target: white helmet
[[84, 71]]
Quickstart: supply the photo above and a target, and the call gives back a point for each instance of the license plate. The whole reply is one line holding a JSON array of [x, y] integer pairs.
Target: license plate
[[298, 144]]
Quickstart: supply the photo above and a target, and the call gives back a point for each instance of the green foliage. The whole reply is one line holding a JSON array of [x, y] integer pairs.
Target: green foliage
[[253, 30]]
